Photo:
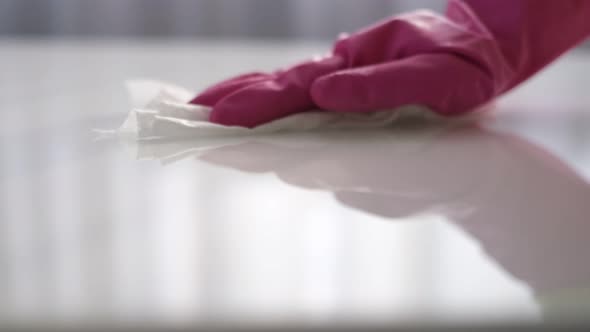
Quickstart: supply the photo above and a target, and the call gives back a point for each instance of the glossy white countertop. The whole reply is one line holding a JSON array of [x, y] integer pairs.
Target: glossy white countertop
[[414, 224]]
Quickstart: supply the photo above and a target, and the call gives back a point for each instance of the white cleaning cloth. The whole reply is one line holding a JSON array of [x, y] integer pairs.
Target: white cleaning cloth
[[161, 110]]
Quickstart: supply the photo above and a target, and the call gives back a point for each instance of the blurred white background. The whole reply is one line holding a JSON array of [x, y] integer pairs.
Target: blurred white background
[[203, 18]]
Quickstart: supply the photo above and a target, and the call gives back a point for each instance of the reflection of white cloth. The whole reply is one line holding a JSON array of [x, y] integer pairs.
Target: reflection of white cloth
[[160, 110]]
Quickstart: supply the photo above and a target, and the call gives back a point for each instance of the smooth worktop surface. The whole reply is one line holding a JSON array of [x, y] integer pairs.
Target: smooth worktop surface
[[486, 222]]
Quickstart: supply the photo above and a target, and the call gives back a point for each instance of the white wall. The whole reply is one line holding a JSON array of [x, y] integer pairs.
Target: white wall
[[214, 18]]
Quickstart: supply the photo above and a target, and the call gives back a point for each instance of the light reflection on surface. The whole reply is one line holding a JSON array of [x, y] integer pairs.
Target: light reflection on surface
[[527, 209], [193, 241]]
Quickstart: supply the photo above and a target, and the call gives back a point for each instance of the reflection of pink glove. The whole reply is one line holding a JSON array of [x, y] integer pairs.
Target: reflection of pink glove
[[452, 64]]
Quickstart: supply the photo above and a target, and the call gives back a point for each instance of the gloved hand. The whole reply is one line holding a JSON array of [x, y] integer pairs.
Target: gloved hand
[[451, 64]]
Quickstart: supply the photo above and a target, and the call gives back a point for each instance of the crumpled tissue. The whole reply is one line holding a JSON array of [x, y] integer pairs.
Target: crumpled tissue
[[161, 110]]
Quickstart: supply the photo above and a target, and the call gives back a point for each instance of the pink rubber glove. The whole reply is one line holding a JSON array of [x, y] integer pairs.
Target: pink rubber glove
[[452, 64]]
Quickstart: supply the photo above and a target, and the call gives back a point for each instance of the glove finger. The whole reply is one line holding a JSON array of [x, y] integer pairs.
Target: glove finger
[[260, 103], [446, 83], [214, 94], [286, 94]]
